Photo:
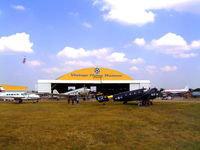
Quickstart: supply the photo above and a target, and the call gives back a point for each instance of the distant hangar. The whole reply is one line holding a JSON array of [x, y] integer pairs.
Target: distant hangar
[[13, 88], [103, 80]]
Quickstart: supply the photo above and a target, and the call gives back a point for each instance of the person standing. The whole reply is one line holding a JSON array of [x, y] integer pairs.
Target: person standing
[[69, 100], [73, 98], [76, 99]]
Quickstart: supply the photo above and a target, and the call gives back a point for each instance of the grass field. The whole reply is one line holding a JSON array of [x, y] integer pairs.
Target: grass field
[[91, 125]]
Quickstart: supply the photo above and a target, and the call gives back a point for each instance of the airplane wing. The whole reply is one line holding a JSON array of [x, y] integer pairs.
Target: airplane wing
[[62, 95], [15, 98], [150, 94]]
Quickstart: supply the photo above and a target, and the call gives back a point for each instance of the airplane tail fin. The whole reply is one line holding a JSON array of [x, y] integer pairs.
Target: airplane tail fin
[[55, 92], [186, 88], [1, 89]]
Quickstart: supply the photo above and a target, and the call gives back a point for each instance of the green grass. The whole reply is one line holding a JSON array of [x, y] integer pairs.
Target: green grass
[[91, 125]]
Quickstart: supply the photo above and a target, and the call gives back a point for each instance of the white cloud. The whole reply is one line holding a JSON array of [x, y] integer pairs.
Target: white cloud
[[169, 68], [16, 43], [195, 44], [137, 61], [87, 25], [18, 7], [134, 68], [141, 12], [117, 57], [139, 41], [80, 63], [96, 57], [69, 52], [172, 44], [34, 63], [189, 55], [151, 69]]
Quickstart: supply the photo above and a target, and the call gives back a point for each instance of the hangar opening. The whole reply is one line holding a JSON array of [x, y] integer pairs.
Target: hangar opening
[[103, 80], [103, 88]]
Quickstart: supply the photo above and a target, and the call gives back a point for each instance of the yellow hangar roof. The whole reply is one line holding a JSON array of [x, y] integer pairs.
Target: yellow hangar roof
[[95, 74], [14, 88]]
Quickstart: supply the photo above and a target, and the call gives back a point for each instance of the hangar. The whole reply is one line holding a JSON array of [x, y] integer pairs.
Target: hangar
[[103, 80], [13, 88]]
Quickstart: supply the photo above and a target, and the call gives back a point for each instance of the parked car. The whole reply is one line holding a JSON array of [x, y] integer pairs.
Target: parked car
[[195, 94]]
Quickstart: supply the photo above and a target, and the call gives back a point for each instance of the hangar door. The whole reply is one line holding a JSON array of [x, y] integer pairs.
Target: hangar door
[[104, 88]]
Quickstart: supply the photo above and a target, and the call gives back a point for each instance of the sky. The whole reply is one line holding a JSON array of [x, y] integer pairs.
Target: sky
[[147, 40]]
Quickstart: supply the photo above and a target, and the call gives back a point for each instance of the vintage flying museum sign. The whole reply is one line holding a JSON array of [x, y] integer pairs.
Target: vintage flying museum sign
[[95, 74]]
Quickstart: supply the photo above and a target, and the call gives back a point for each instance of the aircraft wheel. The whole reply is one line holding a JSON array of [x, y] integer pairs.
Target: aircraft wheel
[[125, 102]]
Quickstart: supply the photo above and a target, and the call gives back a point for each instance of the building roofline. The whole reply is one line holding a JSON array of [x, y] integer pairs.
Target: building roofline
[[93, 81]]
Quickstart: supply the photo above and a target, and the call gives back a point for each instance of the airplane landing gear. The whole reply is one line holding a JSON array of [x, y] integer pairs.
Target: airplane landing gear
[[147, 103], [125, 102], [18, 101]]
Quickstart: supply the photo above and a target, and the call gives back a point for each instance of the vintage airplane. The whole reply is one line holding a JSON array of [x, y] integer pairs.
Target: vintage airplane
[[169, 94], [81, 92], [142, 95], [185, 90], [195, 94], [17, 96]]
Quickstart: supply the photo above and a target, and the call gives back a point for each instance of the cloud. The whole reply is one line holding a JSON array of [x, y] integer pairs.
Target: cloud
[[189, 55], [34, 63], [171, 44], [134, 68], [142, 12], [151, 69], [96, 57], [195, 44], [117, 57], [154, 69], [137, 61], [139, 41], [87, 25], [16, 43], [18, 7], [169, 68], [80, 63], [69, 52]]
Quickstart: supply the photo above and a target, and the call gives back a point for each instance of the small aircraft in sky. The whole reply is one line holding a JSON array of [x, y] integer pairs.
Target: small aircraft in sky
[[17, 96], [142, 95]]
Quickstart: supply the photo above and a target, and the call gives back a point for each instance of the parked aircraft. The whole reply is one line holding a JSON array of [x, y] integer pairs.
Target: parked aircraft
[[185, 90], [17, 96], [195, 94], [81, 91], [169, 94], [142, 95]]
